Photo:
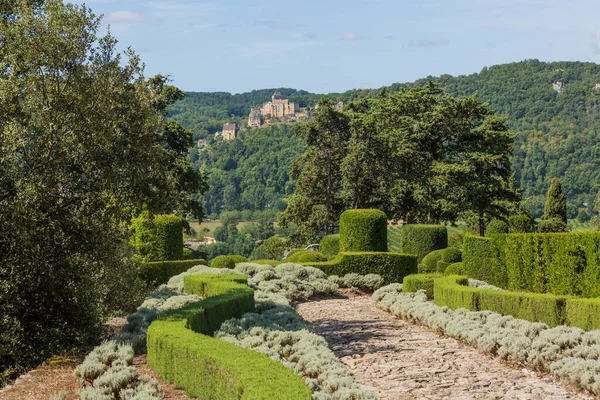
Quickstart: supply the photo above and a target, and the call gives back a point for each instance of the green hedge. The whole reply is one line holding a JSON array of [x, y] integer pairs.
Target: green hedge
[[452, 291], [393, 267], [423, 239], [158, 237], [557, 263], [306, 256], [412, 283], [228, 261], [159, 272], [583, 313], [330, 245], [455, 269], [213, 369], [363, 230], [430, 262]]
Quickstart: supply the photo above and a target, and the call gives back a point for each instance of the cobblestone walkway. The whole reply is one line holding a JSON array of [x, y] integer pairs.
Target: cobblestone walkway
[[400, 360]]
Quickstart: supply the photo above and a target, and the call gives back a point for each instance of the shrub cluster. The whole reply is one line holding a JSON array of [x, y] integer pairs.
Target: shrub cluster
[[360, 282], [393, 267], [567, 352], [227, 261], [109, 371], [455, 269], [330, 245], [159, 272], [363, 230], [272, 263], [430, 262], [557, 263], [423, 239]]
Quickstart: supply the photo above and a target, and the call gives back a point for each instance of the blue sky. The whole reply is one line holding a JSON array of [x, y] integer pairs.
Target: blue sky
[[335, 45]]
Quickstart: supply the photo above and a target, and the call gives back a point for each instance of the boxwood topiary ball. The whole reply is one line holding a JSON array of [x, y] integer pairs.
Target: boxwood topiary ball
[[363, 230]]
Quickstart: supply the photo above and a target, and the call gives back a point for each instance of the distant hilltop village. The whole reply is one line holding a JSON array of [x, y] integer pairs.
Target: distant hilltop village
[[279, 110]]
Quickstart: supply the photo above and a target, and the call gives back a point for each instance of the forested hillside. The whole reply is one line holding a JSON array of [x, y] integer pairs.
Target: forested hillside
[[557, 131]]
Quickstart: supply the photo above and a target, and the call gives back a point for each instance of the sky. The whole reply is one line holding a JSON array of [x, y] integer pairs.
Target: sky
[[328, 46]]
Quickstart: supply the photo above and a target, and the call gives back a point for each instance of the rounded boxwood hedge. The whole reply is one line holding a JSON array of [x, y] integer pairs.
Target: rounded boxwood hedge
[[330, 245], [430, 262], [452, 255], [222, 262], [423, 239], [455, 269], [306, 256], [496, 227], [363, 230]]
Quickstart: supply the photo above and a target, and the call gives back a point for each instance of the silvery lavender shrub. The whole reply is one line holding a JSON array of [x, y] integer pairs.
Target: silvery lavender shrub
[[483, 285], [567, 352]]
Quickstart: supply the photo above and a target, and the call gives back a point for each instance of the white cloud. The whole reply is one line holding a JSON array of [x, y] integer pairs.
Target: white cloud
[[128, 17], [349, 36]]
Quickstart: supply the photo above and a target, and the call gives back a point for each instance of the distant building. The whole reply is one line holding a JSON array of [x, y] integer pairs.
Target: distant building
[[229, 132], [278, 109], [558, 86], [202, 143], [339, 106]]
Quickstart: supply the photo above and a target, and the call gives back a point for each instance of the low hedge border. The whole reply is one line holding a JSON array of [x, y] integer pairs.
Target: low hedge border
[[412, 283], [452, 291], [210, 368], [159, 272], [583, 313], [392, 267]]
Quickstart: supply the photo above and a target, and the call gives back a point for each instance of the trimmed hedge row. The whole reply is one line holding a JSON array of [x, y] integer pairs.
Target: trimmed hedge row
[[306, 256], [412, 283], [392, 267], [583, 313], [330, 245], [363, 230], [158, 237], [455, 269], [159, 272], [210, 368], [423, 239], [557, 263], [452, 291]]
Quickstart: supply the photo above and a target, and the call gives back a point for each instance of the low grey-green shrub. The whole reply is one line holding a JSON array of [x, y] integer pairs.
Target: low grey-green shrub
[[568, 352], [356, 281]]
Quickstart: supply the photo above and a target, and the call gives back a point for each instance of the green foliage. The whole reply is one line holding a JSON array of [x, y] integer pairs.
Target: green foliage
[[583, 313], [393, 267], [552, 225], [456, 239], [159, 272], [306, 256], [180, 355], [423, 239], [451, 255], [495, 227], [430, 262], [363, 230], [274, 247], [158, 237], [330, 245], [272, 263], [188, 254], [556, 203], [478, 259], [223, 262], [394, 238], [521, 223], [412, 283], [455, 269], [454, 292]]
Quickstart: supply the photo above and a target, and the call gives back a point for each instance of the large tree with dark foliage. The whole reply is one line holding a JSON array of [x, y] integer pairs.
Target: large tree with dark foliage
[[83, 146]]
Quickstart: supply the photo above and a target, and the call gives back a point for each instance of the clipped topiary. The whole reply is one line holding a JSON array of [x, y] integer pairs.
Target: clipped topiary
[[158, 237], [306, 256], [237, 258], [455, 269], [430, 262], [456, 239], [521, 223], [423, 239], [496, 227], [452, 255], [552, 225], [363, 230], [222, 262], [330, 245]]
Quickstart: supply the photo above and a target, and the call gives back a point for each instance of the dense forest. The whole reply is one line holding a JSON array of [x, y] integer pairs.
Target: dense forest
[[551, 108]]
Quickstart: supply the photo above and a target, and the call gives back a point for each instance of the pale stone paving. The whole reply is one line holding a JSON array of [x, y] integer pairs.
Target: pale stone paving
[[400, 360]]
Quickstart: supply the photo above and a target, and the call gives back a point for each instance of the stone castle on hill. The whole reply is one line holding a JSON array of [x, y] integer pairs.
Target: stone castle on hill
[[276, 110]]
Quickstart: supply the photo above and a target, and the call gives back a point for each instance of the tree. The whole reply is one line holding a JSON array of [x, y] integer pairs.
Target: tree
[[555, 210], [83, 146]]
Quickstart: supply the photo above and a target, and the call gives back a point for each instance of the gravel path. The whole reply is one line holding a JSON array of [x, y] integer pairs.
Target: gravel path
[[400, 360]]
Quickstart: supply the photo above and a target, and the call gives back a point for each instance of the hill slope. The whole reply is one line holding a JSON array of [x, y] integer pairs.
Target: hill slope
[[558, 132]]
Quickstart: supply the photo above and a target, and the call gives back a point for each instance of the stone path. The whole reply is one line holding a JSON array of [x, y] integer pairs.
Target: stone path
[[400, 360]]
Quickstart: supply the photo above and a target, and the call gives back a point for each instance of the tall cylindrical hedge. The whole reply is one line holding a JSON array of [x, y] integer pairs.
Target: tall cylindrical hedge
[[423, 239], [158, 237], [363, 230]]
